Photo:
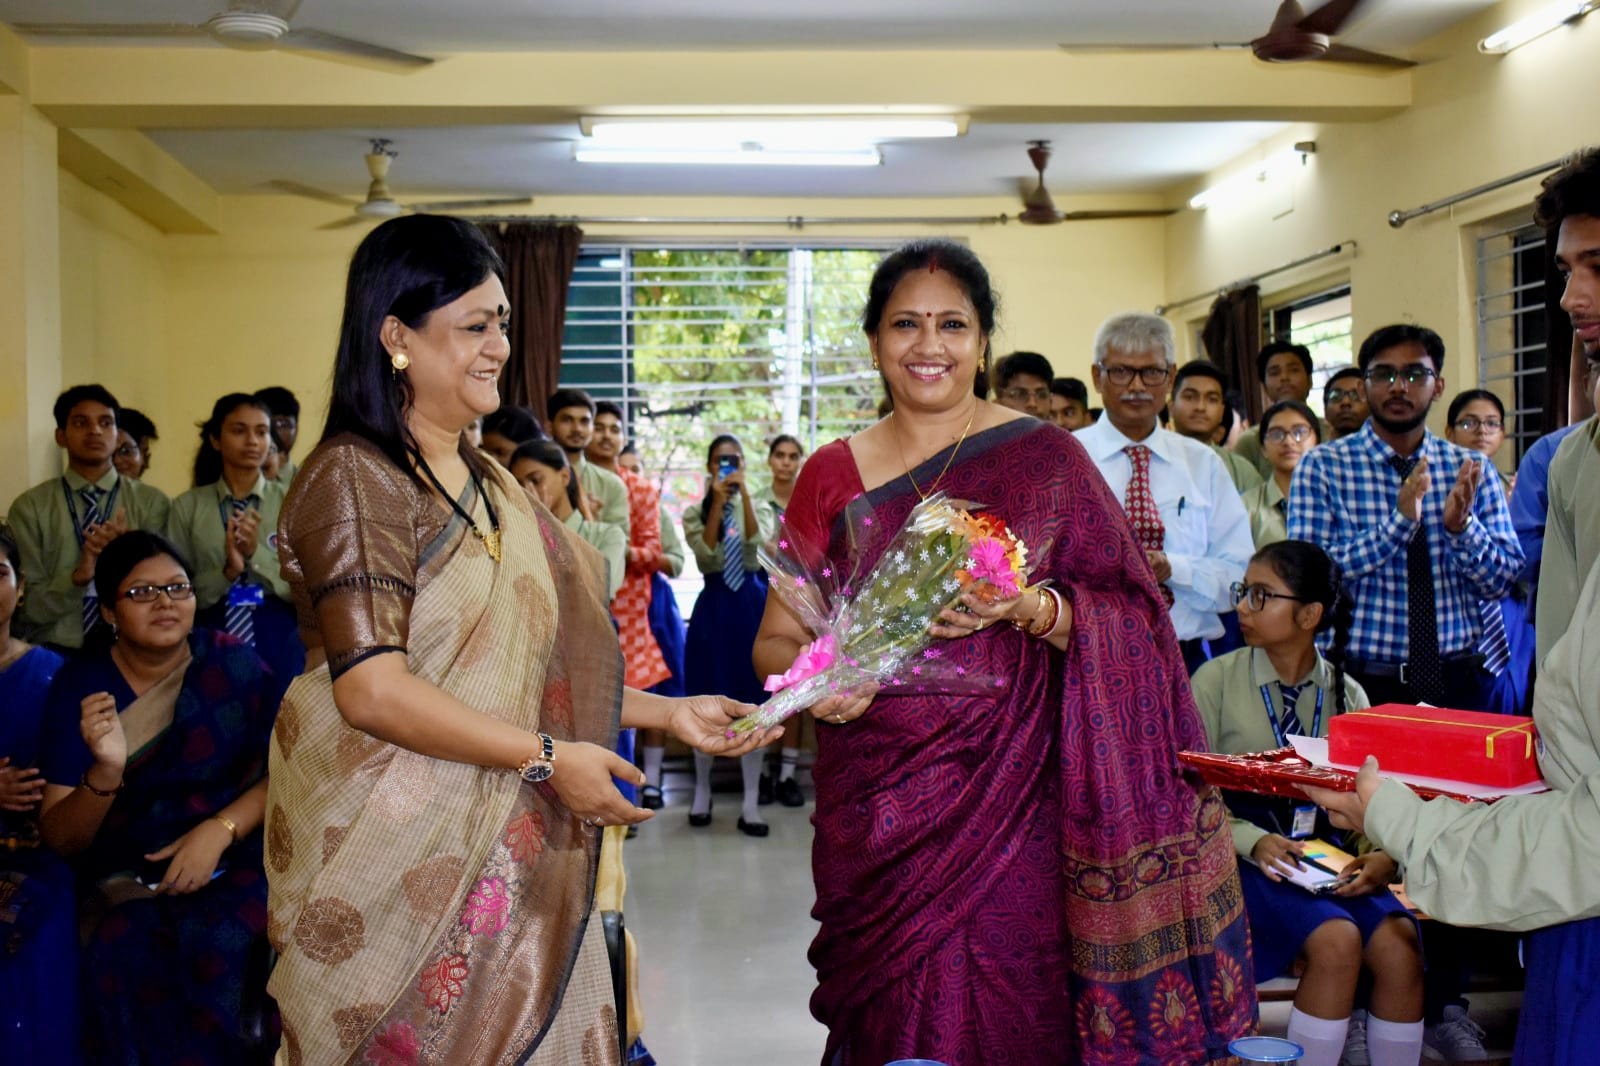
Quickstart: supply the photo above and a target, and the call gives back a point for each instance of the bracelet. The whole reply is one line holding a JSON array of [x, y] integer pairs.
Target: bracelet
[[233, 830], [1048, 627], [103, 793], [1027, 625]]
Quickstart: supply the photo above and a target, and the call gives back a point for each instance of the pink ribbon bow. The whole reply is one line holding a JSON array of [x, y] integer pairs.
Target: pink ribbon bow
[[812, 660]]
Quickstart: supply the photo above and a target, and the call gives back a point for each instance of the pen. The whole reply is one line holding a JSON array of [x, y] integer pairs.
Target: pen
[[1181, 500]]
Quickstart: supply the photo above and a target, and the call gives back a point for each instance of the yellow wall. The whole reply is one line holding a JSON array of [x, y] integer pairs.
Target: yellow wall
[[1475, 118], [170, 322]]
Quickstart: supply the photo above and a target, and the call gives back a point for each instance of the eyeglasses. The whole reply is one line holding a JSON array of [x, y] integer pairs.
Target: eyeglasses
[[1297, 434], [1386, 376], [1472, 425], [1332, 396], [182, 590], [127, 451], [1017, 394], [1123, 375], [1257, 595]]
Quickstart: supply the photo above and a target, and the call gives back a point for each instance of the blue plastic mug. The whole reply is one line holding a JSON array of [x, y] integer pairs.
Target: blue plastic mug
[[1266, 1049], [914, 1062]]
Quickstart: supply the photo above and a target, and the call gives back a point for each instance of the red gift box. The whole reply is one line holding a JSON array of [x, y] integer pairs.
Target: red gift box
[[1284, 773], [1497, 750]]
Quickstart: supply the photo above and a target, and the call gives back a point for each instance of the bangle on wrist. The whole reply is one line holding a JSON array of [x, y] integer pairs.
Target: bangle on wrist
[[1046, 627], [228, 824], [103, 793]]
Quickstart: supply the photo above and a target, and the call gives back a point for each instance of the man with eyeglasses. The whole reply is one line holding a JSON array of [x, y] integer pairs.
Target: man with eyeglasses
[[1022, 383], [1344, 401], [1569, 206], [1284, 369], [1198, 407], [1423, 535], [1181, 504]]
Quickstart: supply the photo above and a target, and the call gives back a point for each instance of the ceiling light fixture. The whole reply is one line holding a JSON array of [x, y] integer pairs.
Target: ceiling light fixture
[[1535, 26], [755, 141], [1266, 170]]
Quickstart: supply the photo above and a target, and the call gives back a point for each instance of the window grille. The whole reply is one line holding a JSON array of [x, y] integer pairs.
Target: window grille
[[1512, 327], [1322, 322]]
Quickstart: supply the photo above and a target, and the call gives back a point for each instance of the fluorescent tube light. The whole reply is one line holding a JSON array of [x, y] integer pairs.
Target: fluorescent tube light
[[1534, 26], [1264, 171], [754, 156], [788, 134]]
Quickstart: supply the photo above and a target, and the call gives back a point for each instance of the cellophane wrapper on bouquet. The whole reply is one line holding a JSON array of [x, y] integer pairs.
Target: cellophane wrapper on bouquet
[[871, 629]]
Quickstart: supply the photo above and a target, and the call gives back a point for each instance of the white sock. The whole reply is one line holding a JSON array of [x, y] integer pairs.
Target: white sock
[[702, 783], [1393, 1043], [791, 759], [652, 765], [750, 766], [1323, 1038]]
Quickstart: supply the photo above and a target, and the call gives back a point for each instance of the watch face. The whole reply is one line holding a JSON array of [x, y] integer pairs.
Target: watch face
[[539, 771]]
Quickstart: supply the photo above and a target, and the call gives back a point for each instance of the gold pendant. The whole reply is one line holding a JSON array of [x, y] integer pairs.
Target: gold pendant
[[491, 543]]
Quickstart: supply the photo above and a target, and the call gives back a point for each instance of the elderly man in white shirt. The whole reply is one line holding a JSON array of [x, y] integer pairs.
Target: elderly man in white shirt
[[1178, 496]]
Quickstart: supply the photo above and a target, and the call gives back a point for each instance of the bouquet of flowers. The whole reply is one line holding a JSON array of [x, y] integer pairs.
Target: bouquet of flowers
[[872, 629]]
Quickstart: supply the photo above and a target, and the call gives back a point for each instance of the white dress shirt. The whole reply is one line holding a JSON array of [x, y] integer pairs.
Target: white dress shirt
[[1208, 540]]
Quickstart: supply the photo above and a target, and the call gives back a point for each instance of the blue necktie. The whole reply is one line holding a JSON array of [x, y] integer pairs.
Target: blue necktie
[[1291, 717], [732, 550], [1493, 642], [91, 518], [240, 618]]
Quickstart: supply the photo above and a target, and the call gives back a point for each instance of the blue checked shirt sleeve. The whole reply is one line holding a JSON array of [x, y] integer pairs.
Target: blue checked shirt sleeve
[[1332, 516], [1486, 552]]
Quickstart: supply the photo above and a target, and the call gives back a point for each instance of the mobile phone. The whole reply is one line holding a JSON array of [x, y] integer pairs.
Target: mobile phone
[[726, 465]]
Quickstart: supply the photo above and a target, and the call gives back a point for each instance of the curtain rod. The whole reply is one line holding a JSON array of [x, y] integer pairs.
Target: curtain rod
[[1336, 249], [1400, 218], [802, 221]]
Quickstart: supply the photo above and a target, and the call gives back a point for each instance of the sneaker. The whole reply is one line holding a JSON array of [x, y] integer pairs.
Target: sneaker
[[1355, 1041], [1455, 1039], [764, 791], [789, 793]]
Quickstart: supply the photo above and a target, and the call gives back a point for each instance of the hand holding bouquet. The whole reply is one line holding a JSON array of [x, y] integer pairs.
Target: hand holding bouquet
[[873, 630]]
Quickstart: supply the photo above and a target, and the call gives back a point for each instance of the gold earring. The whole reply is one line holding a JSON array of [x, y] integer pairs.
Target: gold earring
[[399, 360], [875, 362]]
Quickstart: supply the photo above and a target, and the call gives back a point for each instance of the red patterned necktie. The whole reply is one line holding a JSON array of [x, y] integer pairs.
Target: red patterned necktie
[[1148, 529]]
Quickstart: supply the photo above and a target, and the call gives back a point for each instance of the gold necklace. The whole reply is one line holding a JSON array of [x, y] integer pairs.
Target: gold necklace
[[954, 452]]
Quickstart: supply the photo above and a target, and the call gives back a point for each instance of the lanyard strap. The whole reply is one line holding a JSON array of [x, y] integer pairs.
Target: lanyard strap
[[1277, 726], [110, 508]]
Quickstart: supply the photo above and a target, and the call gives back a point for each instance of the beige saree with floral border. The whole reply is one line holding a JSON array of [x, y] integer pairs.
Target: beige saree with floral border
[[429, 911]]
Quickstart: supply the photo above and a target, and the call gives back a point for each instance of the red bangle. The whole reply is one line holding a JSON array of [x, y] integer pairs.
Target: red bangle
[[102, 792], [1055, 615]]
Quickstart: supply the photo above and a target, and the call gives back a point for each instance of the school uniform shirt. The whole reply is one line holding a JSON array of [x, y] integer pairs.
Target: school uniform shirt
[[672, 545], [1268, 509], [610, 542], [1243, 472], [196, 525], [607, 490], [1228, 692], [1571, 536], [1524, 862], [47, 535], [286, 472], [1207, 530], [709, 560], [1345, 500], [1250, 448]]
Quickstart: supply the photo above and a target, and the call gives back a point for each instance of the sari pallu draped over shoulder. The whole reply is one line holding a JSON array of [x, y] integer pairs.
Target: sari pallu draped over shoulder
[[432, 911], [1027, 876]]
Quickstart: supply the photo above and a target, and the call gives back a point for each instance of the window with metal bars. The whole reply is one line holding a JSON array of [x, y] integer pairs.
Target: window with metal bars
[[1513, 358], [1322, 322]]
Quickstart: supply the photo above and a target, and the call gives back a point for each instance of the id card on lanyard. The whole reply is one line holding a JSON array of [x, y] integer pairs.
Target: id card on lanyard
[[80, 528], [1304, 824]]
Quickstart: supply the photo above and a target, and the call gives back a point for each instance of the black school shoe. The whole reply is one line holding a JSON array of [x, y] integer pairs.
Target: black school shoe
[[753, 829], [700, 821], [650, 798], [789, 793]]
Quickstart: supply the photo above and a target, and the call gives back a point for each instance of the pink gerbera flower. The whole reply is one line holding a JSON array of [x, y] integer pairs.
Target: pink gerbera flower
[[991, 563]]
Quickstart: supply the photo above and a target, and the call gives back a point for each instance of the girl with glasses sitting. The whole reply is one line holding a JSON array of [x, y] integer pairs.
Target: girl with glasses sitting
[[155, 754], [1253, 699]]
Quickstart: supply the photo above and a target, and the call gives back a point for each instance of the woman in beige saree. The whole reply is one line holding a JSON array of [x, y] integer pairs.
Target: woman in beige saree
[[440, 772]]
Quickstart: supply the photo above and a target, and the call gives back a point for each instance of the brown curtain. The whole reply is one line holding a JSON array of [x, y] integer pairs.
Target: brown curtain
[[539, 260], [1232, 337]]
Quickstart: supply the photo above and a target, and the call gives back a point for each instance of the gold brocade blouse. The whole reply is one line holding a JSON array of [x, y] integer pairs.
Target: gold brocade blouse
[[357, 539]]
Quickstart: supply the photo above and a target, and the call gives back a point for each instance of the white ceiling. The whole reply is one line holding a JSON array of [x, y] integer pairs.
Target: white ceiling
[[441, 27], [517, 160]]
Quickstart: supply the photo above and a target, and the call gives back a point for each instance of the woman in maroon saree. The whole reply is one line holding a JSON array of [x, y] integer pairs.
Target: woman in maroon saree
[[1025, 876]]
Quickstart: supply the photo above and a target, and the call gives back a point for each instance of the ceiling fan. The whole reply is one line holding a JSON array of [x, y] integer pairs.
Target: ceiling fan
[[380, 202], [1293, 37], [248, 24], [1038, 209]]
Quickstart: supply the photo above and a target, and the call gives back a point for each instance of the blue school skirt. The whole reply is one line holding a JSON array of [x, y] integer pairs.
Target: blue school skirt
[[1282, 916], [666, 625], [1561, 1003], [722, 635]]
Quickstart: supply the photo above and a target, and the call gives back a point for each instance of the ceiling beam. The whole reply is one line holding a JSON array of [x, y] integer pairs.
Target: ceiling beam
[[129, 87], [14, 79], [134, 171]]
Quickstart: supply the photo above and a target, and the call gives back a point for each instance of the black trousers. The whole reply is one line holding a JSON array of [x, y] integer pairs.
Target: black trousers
[[1466, 686]]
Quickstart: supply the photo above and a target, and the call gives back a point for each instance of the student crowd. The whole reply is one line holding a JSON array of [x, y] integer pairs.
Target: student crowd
[[1310, 564]]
